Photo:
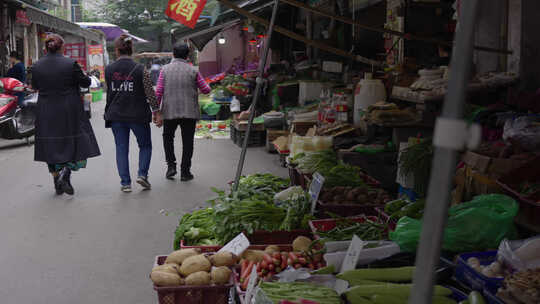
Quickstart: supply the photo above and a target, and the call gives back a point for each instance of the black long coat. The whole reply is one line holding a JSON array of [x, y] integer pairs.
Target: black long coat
[[63, 131]]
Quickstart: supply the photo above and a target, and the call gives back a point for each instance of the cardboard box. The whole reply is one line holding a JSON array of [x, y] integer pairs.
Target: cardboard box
[[490, 166]]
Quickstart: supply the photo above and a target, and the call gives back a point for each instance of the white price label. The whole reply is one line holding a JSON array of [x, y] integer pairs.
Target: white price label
[[315, 190], [253, 277], [237, 246], [341, 286], [353, 253]]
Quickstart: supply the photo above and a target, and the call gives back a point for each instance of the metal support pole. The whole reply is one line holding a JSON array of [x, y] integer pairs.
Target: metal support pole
[[258, 87], [444, 162]]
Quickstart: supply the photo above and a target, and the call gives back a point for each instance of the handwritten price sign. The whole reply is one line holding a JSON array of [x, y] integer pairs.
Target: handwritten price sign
[[186, 12]]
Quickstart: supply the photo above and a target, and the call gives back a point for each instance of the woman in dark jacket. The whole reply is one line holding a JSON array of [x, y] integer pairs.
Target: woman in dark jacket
[[64, 136], [130, 103]]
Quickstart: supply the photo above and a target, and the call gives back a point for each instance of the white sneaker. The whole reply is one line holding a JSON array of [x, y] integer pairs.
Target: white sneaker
[[126, 189]]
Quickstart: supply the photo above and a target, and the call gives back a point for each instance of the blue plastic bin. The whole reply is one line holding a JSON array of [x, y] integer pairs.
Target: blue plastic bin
[[466, 275]]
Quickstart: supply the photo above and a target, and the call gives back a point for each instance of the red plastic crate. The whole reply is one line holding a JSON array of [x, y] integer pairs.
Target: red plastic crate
[[282, 247], [345, 209], [329, 224], [215, 294]]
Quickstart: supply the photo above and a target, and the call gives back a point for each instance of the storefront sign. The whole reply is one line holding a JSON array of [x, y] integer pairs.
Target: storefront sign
[[95, 60], [22, 18], [186, 12]]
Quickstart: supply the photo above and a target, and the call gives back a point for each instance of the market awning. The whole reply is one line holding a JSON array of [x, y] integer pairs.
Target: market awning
[[111, 31], [204, 31], [37, 16]]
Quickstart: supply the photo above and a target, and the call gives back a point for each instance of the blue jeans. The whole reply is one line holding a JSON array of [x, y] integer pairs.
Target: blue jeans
[[121, 138]]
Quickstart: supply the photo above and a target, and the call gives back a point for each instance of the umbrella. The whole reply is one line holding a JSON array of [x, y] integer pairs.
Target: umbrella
[[111, 31]]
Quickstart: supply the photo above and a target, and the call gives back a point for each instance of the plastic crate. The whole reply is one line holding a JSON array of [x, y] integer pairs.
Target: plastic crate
[[215, 294], [259, 246], [329, 224], [256, 138], [491, 298], [466, 275], [529, 205], [345, 210]]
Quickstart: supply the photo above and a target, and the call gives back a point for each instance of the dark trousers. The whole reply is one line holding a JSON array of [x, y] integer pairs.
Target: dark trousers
[[187, 127]]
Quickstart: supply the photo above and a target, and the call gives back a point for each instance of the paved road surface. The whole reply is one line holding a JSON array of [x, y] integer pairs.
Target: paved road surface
[[98, 246]]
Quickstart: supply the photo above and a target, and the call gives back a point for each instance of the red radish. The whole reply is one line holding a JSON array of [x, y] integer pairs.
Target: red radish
[[293, 257], [271, 267], [302, 261], [264, 265], [297, 266], [259, 267]]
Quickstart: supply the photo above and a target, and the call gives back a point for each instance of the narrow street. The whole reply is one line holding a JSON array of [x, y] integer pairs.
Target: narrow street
[[98, 246]]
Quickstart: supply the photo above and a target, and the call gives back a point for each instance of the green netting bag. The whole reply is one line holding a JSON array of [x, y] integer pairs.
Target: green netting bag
[[211, 108], [472, 226]]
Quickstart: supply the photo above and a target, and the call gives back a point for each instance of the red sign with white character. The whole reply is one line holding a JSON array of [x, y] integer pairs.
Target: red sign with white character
[[186, 12]]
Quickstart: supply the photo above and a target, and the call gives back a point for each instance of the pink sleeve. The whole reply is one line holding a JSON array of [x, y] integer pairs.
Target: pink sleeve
[[160, 87], [203, 86]]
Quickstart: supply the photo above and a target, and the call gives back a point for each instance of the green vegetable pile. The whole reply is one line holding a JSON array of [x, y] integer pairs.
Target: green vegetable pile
[[311, 162], [345, 230], [400, 208], [297, 291], [251, 208], [343, 175], [416, 161]]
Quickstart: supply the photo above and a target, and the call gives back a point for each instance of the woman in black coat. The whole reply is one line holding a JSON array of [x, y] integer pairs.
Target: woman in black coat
[[64, 136]]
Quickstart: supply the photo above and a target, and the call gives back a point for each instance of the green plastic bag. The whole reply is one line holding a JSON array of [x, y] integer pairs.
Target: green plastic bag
[[472, 226], [211, 108]]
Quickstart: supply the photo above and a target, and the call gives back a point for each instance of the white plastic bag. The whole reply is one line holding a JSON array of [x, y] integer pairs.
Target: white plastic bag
[[288, 193], [385, 250], [520, 254], [523, 131]]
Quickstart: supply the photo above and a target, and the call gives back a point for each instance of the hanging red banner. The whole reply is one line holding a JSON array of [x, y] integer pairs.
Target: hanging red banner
[[186, 12]]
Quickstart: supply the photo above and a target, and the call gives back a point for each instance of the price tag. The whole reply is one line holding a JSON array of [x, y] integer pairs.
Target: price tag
[[315, 189], [341, 286], [253, 277], [353, 253], [237, 246]]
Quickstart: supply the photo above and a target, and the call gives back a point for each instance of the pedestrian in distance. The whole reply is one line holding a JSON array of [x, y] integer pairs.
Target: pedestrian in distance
[[131, 103], [177, 92], [64, 137], [17, 71]]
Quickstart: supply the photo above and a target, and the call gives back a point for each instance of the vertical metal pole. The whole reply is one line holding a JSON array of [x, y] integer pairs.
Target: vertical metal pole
[[444, 162], [258, 87]]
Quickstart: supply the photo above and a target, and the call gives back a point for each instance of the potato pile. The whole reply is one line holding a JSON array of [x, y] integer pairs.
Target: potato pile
[[354, 195], [190, 267]]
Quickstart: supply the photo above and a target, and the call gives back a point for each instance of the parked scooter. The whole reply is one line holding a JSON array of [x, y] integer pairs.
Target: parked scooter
[[17, 121]]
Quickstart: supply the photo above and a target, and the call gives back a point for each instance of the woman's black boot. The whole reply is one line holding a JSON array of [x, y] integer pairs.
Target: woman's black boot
[[57, 187], [64, 181]]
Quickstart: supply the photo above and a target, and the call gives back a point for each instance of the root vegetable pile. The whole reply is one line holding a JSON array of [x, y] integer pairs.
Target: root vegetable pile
[[190, 267], [354, 195]]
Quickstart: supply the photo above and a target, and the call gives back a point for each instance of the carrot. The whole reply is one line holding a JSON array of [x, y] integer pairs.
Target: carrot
[[244, 285], [267, 258], [243, 266], [283, 263], [247, 271]]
